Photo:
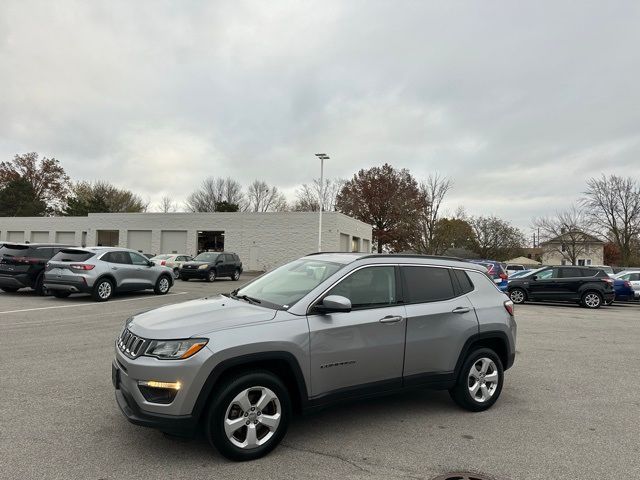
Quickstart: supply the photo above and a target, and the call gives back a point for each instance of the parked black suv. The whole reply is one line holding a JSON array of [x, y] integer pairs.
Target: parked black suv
[[22, 265], [590, 287], [211, 265]]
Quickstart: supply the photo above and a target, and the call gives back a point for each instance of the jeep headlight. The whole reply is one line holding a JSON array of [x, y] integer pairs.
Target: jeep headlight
[[203, 267], [175, 349]]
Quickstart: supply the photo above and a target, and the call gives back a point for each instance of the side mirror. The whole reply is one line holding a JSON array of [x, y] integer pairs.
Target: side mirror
[[535, 277], [150, 264], [334, 304]]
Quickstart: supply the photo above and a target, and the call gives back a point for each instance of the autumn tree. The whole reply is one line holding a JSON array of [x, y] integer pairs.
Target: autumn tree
[[48, 180], [564, 233], [18, 199], [496, 239], [102, 197], [433, 191], [217, 194], [453, 233], [613, 205], [307, 196], [388, 199], [262, 197]]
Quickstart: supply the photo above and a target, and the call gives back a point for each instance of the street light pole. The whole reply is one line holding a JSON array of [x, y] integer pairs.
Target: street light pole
[[322, 157]]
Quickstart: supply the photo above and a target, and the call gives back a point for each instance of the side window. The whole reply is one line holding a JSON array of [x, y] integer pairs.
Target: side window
[[119, 257], [546, 274], [228, 258], [181, 259], [587, 272], [569, 273], [107, 257], [634, 277], [369, 287], [136, 258], [427, 284], [464, 281], [236, 257]]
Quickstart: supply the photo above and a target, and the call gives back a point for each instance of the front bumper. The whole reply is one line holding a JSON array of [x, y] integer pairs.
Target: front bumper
[[195, 273], [174, 424], [14, 281]]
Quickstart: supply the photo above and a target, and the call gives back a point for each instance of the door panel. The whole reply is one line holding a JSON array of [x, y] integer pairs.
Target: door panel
[[356, 348], [435, 335], [143, 274]]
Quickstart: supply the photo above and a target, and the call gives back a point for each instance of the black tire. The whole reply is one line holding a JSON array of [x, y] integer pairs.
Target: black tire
[[163, 285], [591, 299], [518, 296], [461, 394], [38, 287], [211, 275], [9, 289], [60, 294], [184, 279], [176, 273], [221, 402], [102, 293], [236, 275]]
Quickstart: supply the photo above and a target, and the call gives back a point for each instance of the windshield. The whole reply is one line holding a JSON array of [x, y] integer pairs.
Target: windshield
[[285, 285], [207, 257], [14, 250], [161, 257]]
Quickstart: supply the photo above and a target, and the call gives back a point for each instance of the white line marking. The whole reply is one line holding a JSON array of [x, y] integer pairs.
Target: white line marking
[[94, 304]]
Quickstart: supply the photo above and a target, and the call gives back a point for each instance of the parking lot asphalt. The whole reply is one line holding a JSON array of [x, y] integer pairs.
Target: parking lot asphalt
[[569, 408]]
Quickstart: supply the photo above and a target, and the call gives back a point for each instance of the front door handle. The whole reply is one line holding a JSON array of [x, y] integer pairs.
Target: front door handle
[[461, 310], [391, 319]]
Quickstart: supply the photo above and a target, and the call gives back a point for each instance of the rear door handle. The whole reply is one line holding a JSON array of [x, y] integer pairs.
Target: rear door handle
[[461, 310], [391, 319]]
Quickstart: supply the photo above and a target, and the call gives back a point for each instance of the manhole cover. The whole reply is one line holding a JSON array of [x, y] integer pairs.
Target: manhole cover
[[464, 476]]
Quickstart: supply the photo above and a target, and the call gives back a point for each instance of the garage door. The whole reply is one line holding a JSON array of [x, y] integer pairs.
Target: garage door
[[68, 238], [173, 241], [15, 237], [140, 240], [39, 237]]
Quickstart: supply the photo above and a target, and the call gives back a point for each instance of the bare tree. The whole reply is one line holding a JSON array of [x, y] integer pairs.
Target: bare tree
[[433, 191], [565, 233], [496, 239], [167, 205], [307, 195], [264, 198], [215, 193], [613, 204]]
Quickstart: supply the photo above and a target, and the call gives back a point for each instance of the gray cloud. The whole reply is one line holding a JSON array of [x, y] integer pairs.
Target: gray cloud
[[517, 103]]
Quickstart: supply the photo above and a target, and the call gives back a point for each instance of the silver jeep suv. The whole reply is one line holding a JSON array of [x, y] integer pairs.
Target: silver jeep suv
[[104, 271], [323, 328]]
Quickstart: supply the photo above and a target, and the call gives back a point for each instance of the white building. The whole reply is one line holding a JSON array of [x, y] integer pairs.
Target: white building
[[262, 240]]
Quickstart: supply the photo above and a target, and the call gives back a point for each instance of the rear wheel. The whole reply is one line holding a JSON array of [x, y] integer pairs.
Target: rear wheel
[[162, 285], [102, 290], [9, 289], [591, 300], [39, 285], [176, 273], [211, 275], [236, 275], [59, 294], [517, 295], [249, 416], [479, 382]]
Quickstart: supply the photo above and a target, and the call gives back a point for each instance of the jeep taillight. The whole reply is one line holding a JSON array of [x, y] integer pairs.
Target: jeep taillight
[[81, 266], [508, 305]]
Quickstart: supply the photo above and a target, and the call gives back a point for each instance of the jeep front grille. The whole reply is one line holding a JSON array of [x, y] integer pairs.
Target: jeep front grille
[[131, 345]]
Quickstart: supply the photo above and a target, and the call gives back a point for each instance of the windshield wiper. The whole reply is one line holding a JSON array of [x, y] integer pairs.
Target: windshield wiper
[[247, 298]]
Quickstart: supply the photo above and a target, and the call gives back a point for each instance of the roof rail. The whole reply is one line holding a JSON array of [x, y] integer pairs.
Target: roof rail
[[322, 253], [395, 255]]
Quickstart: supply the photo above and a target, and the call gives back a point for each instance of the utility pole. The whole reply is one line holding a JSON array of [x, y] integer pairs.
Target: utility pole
[[322, 157]]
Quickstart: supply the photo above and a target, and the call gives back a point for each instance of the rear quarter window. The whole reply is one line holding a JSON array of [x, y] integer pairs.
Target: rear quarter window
[[427, 284], [72, 256], [464, 281]]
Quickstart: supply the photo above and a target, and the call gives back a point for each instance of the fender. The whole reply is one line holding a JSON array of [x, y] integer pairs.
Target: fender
[[485, 336]]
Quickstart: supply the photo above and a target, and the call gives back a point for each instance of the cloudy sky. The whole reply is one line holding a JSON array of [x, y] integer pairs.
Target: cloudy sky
[[518, 104]]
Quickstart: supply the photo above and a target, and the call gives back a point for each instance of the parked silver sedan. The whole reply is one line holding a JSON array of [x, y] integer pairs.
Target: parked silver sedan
[[103, 272], [172, 260]]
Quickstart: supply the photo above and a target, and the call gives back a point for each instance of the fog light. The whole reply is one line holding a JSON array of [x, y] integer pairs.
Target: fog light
[[156, 384]]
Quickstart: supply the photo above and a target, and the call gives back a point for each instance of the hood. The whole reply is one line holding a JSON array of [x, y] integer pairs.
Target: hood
[[197, 317]]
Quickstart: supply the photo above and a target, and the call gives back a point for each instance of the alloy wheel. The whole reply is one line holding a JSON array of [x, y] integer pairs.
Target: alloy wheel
[[517, 296], [163, 286], [104, 290], [252, 417], [483, 379], [592, 300]]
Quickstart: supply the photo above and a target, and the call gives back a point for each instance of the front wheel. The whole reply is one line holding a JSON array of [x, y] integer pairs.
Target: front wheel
[[517, 295], [479, 382], [592, 300], [211, 275], [236, 275], [250, 416], [162, 285]]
